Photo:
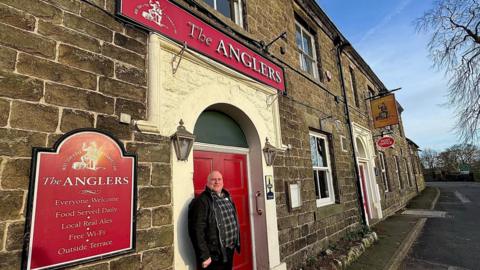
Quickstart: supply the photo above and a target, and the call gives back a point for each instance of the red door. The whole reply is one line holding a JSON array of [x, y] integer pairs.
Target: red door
[[234, 170], [361, 169]]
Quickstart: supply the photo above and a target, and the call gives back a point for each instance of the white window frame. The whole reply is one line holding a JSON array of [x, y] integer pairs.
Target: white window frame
[[343, 142], [301, 52], [328, 170], [397, 172], [383, 170], [237, 11]]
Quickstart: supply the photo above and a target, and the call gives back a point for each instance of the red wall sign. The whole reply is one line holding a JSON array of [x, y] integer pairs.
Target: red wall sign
[[172, 21], [82, 201], [385, 142]]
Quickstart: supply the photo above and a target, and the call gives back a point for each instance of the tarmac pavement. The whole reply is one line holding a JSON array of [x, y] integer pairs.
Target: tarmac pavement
[[451, 243]]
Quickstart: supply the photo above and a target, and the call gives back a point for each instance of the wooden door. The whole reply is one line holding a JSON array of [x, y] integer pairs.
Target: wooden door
[[235, 178]]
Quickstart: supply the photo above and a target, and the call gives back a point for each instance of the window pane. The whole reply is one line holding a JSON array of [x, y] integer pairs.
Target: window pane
[[298, 37], [303, 64], [317, 148], [321, 152], [321, 184], [223, 6], [313, 150], [322, 180], [308, 64], [307, 45]]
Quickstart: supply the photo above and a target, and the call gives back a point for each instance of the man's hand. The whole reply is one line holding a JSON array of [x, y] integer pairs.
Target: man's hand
[[206, 263]]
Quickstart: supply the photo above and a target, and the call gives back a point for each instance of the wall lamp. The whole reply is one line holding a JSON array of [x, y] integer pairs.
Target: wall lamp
[[269, 152], [182, 142], [265, 47]]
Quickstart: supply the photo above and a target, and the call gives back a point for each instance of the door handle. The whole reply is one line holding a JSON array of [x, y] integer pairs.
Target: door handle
[[257, 195]]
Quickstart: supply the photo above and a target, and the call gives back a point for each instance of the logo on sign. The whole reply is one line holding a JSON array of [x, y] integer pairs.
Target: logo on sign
[[90, 158], [154, 14], [386, 142]]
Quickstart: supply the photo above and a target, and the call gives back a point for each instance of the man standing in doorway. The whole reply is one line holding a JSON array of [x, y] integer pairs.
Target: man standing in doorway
[[213, 225]]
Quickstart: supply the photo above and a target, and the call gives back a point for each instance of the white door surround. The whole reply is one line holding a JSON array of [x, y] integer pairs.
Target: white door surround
[[365, 152], [198, 85]]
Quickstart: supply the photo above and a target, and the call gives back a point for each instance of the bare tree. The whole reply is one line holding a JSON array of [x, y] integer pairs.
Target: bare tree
[[456, 155], [455, 48], [466, 153], [429, 158], [448, 161]]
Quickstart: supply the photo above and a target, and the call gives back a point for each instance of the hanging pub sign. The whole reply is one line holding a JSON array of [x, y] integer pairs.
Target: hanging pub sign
[[176, 23], [384, 111], [82, 201], [386, 142]]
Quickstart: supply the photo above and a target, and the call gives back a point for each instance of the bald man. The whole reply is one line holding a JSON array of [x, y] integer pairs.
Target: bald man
[[213, 225]]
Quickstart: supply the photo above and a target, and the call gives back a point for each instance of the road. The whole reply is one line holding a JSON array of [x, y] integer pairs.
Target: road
[[452, 242]]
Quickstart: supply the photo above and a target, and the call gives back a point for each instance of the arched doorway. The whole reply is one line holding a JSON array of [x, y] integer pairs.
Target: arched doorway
[[222, 145]]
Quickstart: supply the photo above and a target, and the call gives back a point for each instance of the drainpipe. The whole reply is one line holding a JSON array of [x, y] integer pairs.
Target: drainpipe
[[340, 46]]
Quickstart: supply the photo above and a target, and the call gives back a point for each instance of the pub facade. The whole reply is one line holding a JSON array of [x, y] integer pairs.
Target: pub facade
[[270, 93]]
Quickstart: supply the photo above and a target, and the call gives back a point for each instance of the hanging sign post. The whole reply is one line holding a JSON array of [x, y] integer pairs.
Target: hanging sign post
[[82, 201]]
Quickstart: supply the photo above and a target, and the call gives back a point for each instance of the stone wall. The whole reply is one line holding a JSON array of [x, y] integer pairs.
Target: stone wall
[[306, 231], [66, 64], [396, 197]]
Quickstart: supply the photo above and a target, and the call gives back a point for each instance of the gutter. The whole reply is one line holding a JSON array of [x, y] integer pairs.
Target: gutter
[[341, 44]]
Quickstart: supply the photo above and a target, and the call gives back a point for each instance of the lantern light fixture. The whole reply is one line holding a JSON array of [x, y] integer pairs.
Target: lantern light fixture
[[269, 152], [182, 142]]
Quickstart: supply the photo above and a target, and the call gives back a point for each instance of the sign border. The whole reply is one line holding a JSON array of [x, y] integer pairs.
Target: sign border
[[119, 15], [31, 196]]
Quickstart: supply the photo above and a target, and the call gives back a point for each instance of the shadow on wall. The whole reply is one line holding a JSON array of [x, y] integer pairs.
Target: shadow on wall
[[184, 244]]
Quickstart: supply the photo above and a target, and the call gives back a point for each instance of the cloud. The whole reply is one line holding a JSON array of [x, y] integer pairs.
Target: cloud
[[400, 7]]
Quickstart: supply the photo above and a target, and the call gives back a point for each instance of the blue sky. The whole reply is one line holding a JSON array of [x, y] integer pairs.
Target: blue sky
[[383, 32]]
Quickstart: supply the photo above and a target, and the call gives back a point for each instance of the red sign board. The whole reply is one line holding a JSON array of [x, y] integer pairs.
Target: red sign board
[[386, 142], [174, 22], [82, 201]]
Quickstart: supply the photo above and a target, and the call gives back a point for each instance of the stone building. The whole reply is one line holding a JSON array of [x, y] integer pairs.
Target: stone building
[[69, 64]]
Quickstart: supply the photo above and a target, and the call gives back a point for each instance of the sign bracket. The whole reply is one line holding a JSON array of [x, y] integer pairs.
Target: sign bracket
[[180, 56], [384, 93]]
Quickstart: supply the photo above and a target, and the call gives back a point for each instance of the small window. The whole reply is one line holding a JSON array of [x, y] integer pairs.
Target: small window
[[397, 172], [322, 172], [306, 50], [344, 143], [408, 172], [353, 85], [370, 95], [229, 8], [383, 171]]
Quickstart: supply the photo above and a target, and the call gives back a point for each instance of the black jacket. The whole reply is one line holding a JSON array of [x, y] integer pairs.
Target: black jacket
[[204, 221]]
